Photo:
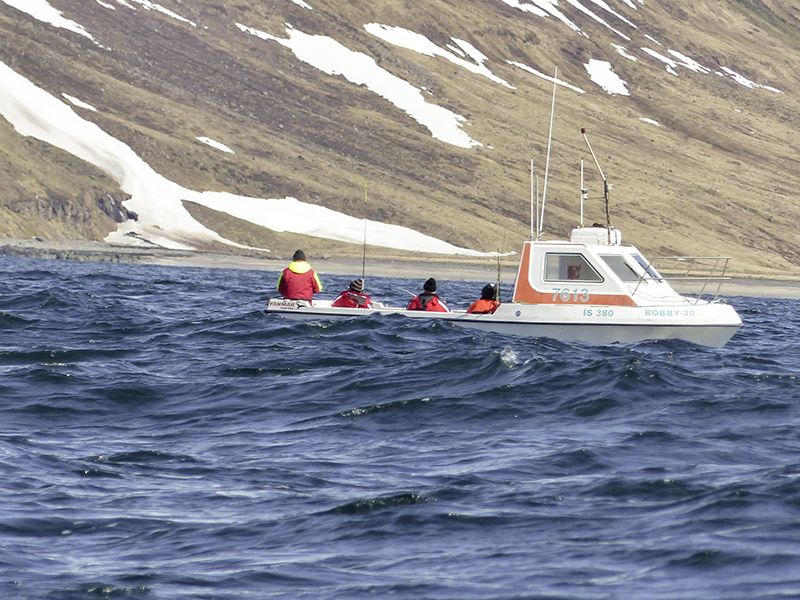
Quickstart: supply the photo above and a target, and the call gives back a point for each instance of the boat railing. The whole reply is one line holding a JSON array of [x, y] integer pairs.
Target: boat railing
[[691, 271]]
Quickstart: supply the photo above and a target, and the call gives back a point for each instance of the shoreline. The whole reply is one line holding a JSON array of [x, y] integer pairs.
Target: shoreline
[[406, 268]]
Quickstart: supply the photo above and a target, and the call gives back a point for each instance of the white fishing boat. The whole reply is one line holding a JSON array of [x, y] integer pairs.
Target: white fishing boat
[[588, 288]]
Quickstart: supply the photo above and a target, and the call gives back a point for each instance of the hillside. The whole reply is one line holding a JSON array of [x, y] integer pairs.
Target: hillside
[[424, 115]]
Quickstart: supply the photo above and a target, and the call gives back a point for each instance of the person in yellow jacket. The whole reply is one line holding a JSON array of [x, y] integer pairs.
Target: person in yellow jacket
[[298, 281]]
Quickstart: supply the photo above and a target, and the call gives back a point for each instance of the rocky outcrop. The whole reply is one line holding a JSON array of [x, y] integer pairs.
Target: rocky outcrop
[[114, 208]]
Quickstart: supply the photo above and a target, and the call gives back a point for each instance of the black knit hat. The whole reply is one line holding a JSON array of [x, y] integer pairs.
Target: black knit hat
[[357, 285], [299, 255], [488, 292], [430, 285]]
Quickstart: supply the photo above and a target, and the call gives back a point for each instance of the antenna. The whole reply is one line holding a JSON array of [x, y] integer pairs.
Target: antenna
[[536, 181], [534, 194], [605, 183], [584, 192], [537, 204], [547, 162]]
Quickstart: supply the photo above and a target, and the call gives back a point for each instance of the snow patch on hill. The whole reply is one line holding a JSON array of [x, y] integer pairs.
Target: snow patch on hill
[[549, 78], [331, 57], [42, 11], [419, 43], [601, 73], [79, 103], [148, 5], [214, 144], [163, 220]]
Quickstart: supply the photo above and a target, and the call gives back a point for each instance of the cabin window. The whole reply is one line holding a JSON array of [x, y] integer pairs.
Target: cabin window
[[620, 267], [569, 267], [648, 268]]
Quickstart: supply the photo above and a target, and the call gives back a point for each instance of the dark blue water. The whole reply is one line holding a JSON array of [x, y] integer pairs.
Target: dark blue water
[[161, 437]]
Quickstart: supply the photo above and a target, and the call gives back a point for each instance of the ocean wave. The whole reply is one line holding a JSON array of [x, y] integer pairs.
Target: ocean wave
[[370, 505], [166, 436]]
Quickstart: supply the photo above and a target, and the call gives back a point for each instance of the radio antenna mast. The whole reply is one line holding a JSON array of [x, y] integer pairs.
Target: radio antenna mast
[[584, 192], [605, 182], [547, 162], [536, 210]]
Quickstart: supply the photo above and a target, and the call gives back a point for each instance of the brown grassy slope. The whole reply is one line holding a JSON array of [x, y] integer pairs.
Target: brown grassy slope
[[49, 193], [718, 177]]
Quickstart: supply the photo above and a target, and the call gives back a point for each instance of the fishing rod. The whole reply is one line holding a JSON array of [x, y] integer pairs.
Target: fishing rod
[[499, 254], [497, 283], [364, 245]]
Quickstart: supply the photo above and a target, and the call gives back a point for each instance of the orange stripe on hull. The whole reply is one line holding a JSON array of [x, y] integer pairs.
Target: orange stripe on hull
[[526, 294]]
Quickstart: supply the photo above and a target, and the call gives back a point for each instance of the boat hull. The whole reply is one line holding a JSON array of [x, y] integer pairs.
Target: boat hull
[[714, 336], [708, 324]]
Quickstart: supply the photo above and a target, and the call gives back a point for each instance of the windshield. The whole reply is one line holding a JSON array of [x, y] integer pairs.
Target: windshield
[[620, 267], [648, 268]]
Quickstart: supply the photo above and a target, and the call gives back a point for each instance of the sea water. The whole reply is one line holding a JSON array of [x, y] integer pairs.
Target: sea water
[[162, 437]]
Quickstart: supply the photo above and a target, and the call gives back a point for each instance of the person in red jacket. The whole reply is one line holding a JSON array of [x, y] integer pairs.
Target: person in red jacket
[[428, 300], [487, 303], [353, 296], [298, 281]]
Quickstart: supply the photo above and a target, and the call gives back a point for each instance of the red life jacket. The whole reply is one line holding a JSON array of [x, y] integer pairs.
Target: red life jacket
[[351, 299], [298, 281], [483, 306], [427, 301]]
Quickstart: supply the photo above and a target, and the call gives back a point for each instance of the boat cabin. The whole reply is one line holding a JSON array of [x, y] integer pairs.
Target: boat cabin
[[593, 268]]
